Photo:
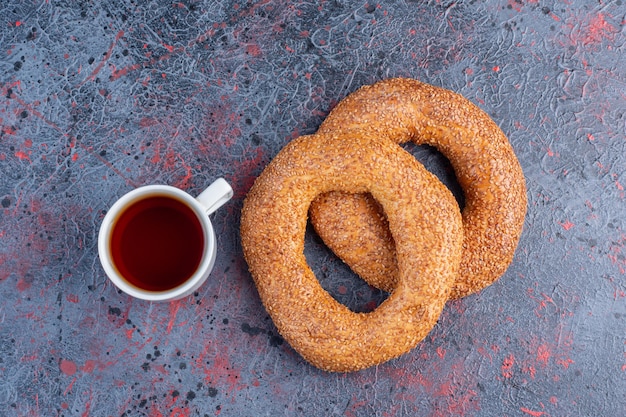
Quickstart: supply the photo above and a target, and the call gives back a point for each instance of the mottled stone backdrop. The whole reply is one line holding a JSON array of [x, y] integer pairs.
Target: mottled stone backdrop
[[98, 97]]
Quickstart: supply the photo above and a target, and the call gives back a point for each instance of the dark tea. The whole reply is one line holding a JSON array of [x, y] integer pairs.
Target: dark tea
[[157, 243]]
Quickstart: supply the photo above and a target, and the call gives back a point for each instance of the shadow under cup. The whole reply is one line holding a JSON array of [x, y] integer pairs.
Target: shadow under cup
[[157, 243]]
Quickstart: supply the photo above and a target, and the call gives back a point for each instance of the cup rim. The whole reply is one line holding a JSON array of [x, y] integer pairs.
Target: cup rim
[[208, 256]]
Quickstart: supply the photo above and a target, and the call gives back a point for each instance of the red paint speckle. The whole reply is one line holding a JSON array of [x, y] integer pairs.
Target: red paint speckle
[[156, 157], [529, 369], [23, 285], [507, 366], [599, 28], [174, 307], [370, 306], [532, 413], [616, 256], [566, 224], [543, 355], [221, 372], [86, 413], [68, 367], [8, 130], [21, 155], [565, 362], [89, 366], [180, 412], [515, 5], [124, 71], [441, 352], [253, 50], [591, 30], [106, 57]]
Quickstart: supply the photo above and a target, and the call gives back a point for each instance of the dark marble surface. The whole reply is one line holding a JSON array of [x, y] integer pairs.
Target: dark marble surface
[[100, 97]]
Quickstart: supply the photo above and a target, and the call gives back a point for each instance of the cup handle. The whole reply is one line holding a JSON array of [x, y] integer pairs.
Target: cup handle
[[215, 195]]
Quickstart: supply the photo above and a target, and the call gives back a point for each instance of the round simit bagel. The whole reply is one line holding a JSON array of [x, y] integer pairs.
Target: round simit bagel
[[400, 110], [423, 219]]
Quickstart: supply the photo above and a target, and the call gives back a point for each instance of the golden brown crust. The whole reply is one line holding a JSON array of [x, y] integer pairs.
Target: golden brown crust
[[366, 244], [485, 165], [423, 218]]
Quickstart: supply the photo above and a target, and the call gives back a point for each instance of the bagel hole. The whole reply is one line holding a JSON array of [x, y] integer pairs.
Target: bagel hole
[[436, 162], [337, 278]]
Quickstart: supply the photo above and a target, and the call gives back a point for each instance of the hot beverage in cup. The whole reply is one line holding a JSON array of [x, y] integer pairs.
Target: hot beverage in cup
[[157, 242]]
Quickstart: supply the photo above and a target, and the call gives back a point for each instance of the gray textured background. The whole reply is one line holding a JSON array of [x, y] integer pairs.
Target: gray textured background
[[100, 97]]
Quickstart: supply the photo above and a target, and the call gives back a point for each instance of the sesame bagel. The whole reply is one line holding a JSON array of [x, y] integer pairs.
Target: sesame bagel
[[400, 110], [423, 219]]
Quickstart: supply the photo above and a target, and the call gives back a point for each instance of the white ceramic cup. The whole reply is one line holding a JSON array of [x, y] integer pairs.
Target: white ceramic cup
[[212, 198]]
